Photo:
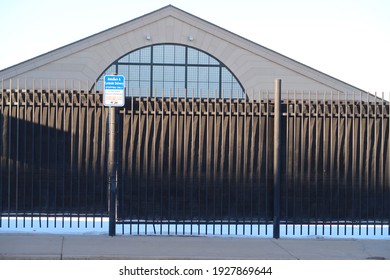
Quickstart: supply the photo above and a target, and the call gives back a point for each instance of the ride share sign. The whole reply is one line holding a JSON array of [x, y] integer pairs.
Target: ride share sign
[[114, 91]]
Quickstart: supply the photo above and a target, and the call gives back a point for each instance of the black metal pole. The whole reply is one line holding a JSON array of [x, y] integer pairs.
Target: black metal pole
[[112, 179], [277, 158]]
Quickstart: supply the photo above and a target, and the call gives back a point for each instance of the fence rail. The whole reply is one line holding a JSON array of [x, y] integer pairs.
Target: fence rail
[[187, 163]]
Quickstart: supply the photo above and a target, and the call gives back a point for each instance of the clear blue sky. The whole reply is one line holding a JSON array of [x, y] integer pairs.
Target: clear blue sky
[[347, 39]]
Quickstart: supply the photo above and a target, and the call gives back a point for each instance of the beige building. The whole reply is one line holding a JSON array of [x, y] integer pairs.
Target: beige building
[[170, 48]]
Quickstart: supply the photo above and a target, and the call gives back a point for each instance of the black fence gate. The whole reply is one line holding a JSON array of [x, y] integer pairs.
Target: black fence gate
[[190, 165]]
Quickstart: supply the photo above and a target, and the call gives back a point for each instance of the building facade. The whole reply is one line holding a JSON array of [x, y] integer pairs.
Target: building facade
[[171, 49]]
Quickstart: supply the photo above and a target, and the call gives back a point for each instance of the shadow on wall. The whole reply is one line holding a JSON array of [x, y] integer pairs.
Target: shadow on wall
[[52, 155]]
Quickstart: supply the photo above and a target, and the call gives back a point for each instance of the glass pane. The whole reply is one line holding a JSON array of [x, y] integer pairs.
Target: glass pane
[[204, 89], [144, 73], [134, 73], [124, 59], [169, 86], [144, 85], [203, 74], [180, 86], [158, 73], [192, 88], [124, 70], [169, 73], [226, 75], [214, 74], [134, 57], [133, 86], [214, 89], [158, 54], [180, 53], [192, 74], [180, 73], [158, 86], [192, 56], [203, 58], [213, 61], [169, 54], [145, 54]]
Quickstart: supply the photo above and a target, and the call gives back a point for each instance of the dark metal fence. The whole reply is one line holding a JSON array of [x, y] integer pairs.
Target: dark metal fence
[[198, 166], [52, 155]]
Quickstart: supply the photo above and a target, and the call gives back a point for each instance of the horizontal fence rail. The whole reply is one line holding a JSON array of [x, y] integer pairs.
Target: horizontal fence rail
[[189, 165]]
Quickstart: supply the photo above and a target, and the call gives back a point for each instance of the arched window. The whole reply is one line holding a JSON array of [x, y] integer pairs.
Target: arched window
[[169, 69]]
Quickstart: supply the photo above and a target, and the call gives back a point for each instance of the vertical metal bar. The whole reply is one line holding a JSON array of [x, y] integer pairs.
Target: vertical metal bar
[[324, 161], [354, 161], [368, 161], [185, 163], [288, 163], [33, 154], [87, 136], [238, 159], [230, 160], [17, 164], [277, 158], [375, 174], [154, 158], [1, 151], [145, 171], [64, 175], [332, 162], [208, 160], [9, 146], [346, 160], [338, 164], [245, 163], [111, 171], [267, 159], [72, 138], [317, 159], [170, 155], [162, 149], [192, 168], [48, 148], [132, 162], [361, 165], [302, 149], [223, 134], [309, 163], [295, 159], [260, 158], [25, 140], [57, 129], [215, 163], [40, 153], [79, 155], [388, 170], [138, 161], [252, 159], [200, 161], [382, 174]]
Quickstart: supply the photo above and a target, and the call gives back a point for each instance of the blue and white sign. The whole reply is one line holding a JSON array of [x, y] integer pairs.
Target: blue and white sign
[[114, 91]]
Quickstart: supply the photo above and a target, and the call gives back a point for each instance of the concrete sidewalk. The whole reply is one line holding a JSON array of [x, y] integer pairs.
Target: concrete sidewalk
[[93, 247]]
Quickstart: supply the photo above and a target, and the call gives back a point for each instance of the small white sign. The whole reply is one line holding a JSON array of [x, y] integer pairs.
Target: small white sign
[[114, 91]]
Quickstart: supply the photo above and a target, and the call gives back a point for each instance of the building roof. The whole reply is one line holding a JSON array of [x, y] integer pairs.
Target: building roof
[[254, 65]]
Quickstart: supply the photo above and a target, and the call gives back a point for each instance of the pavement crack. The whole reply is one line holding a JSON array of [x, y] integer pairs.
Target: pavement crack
[[62, 247], [284, 249]]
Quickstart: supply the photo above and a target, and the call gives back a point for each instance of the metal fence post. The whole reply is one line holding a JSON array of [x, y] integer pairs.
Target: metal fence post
[[277, 158], [112, 179]]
